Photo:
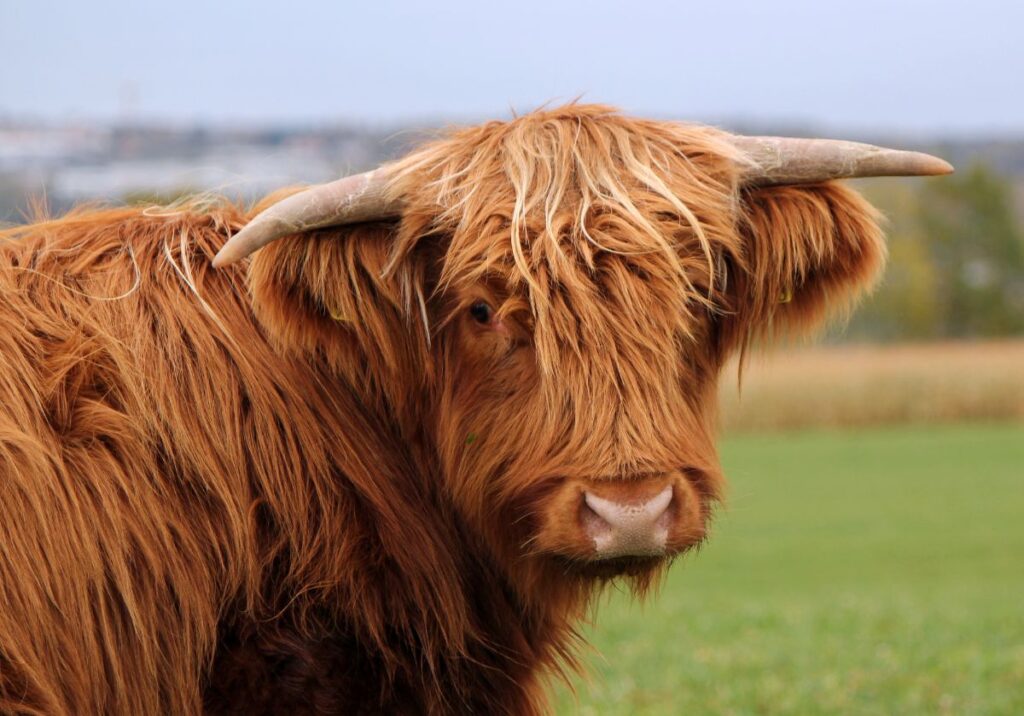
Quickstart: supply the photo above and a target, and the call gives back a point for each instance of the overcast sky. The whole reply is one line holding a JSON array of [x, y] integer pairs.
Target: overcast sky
[[911, 65]]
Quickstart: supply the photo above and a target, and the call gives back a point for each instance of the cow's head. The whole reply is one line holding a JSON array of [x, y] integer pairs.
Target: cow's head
[[546, 304]]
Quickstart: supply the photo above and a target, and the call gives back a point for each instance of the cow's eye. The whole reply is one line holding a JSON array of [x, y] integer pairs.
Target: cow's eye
[[481, 312]]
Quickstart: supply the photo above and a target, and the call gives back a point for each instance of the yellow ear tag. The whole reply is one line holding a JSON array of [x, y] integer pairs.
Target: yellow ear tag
[[786, 296], [339, 317]]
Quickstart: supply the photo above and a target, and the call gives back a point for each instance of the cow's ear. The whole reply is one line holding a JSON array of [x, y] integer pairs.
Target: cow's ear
[[807, 252], [336, 296]]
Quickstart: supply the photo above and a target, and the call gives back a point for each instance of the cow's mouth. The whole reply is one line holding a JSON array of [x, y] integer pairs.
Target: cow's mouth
[[613, 567]]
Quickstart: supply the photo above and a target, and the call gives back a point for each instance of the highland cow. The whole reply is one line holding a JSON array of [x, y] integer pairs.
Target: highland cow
[[385, 463]]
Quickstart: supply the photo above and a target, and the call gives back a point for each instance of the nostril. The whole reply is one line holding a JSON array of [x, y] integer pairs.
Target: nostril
[[592, 520]]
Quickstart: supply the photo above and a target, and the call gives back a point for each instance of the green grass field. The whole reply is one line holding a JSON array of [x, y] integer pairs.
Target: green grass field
[[869, 572]]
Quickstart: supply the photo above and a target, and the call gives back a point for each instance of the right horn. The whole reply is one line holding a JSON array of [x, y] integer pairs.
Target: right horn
[[786, 160]]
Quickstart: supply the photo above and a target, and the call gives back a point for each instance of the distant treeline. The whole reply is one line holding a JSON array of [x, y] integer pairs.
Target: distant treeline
[[956, 260]]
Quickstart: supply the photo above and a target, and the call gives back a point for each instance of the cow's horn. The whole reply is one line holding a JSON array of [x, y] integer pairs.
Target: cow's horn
[[356, 198], [785, 160]]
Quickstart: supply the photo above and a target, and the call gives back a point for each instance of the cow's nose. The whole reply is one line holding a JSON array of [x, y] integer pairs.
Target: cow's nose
[[630, 529]]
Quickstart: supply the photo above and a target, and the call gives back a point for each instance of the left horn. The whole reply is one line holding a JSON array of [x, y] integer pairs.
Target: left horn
[[784, 160], [356, 198]]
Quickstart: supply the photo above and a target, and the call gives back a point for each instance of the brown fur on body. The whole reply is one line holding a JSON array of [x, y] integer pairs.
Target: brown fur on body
[[311, 483]]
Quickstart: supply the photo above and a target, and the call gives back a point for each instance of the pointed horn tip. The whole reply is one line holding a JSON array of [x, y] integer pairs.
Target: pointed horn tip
[[227, 255], [221, 260], [929, 165]]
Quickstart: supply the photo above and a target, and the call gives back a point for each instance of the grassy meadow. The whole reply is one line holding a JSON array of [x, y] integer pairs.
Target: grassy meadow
[[861, 569]]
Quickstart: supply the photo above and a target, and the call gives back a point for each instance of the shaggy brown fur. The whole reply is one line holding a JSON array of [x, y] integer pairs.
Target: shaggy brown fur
[[313, 483]]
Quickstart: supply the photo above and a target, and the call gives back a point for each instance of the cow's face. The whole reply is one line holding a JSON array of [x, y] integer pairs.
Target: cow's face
[[549, 316], [580, 430], [576, 392]]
